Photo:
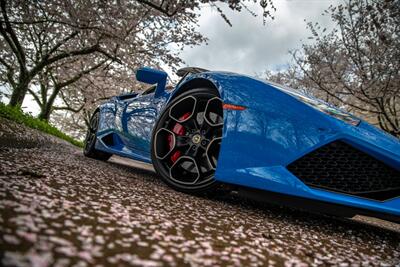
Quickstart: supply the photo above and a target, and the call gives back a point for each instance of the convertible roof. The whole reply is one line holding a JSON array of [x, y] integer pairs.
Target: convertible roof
[[189, 70]]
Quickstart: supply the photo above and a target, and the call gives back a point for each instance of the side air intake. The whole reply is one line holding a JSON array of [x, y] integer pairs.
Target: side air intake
[[342, 168]]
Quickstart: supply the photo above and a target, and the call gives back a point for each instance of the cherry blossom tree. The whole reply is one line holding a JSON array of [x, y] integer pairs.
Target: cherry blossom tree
[[39, 34], [357, 65]]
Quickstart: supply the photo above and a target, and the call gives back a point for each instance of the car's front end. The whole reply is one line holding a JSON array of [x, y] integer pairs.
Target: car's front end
[[298, 147]]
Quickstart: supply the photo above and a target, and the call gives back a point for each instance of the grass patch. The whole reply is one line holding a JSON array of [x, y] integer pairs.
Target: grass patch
[[16, 114]]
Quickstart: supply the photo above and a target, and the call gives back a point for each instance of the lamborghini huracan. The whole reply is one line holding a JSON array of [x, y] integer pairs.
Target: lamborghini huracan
[[216, 128]]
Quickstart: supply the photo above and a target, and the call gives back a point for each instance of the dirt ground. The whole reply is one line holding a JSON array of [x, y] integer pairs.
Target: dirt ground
[[59, 208]]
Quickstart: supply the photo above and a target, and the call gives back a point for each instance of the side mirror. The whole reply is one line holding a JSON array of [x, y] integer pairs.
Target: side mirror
[[153, 76]]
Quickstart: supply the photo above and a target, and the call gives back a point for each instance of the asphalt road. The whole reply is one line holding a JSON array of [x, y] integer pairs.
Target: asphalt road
[[59, 208]]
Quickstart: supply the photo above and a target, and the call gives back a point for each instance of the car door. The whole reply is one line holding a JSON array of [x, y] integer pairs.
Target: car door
[[138, 119]]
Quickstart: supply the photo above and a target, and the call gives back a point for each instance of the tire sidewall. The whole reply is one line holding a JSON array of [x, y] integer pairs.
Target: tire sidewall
[[90, 148], [91, 151]]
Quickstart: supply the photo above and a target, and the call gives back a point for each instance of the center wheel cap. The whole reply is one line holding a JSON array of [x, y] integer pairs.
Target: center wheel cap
[[196, 139]]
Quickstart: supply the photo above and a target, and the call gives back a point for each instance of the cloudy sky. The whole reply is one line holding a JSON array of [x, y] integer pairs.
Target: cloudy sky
[[249, 46]]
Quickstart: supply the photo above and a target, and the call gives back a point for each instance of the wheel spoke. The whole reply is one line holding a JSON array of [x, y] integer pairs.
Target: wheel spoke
[[203, 163], [182, 107], [192, 151], [213, 112], [191, 125], [210, 132], [212, 151], [185, 165], [161, 147], [182, 141], [216, 133]]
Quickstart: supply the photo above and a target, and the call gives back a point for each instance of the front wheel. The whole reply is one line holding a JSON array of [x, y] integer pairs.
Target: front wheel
[[89, 149], [186, 141]]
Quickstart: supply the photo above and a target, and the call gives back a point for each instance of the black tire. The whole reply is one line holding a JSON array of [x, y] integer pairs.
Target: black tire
[[197, 145], [89, 149]]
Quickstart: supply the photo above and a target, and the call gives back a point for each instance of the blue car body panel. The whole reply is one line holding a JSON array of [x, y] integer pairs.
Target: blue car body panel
[[275, 129]]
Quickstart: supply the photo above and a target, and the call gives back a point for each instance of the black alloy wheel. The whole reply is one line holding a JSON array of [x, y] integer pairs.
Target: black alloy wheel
[[89, 149], [186, 141]]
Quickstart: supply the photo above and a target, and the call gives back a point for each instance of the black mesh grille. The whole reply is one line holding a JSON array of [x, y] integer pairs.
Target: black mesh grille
[[340, 167]]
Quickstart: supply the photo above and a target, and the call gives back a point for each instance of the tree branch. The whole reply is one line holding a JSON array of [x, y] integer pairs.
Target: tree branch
[[13, 42], [165, 11]]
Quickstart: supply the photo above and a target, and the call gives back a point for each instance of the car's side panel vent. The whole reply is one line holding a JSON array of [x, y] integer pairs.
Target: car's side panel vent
[[108, 140], [340, 167]]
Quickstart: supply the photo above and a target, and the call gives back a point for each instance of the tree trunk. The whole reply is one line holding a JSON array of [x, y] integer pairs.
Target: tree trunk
[[45, 112], [47, 107], [18, 94]]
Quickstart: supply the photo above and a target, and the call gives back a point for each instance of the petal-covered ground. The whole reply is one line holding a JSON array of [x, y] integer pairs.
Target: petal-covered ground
[[59, 208]]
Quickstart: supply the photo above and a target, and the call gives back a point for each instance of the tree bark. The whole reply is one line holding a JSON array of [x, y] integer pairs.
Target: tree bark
[[47, 107], [45, 113], [19, 92]]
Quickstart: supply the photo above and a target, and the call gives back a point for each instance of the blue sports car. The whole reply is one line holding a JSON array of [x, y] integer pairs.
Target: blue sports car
[[218, 128]]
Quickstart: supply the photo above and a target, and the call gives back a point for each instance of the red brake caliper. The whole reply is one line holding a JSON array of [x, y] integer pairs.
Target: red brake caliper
[[178, 130]]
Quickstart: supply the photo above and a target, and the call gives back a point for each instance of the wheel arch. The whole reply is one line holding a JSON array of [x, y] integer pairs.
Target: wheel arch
[[198, 82], [95, 110]]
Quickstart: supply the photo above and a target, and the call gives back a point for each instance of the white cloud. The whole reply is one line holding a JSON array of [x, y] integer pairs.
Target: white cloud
[[249, 46]]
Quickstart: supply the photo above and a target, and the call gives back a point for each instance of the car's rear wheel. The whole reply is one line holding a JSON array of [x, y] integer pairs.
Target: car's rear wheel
[[89, 149], [186, 141]]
